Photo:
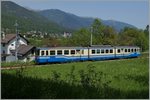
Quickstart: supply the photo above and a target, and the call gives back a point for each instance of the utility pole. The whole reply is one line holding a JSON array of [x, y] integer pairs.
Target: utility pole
[[91, 36], [16, 44]]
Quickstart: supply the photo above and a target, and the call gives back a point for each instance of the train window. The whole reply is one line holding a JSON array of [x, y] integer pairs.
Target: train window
[[125, 50], [134, 50], [98, 51], [131, 50], [46, 52], [107, 51], [111, 51], [42, 53], [93, 51], [52, 52], [137, 50], [72, 51], [66, 52], [78, 50], [128, 50], [59, 52], [118, 50], [102, 51]]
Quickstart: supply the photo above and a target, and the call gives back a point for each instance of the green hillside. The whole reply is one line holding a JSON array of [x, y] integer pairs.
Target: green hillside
[[28, 20]]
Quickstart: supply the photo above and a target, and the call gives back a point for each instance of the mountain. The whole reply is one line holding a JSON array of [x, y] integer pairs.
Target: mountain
[[72, 21], [117, 24], [52, 20], [66, 19], [27, 19]]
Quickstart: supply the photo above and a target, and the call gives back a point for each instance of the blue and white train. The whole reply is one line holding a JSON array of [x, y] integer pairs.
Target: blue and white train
[[71, 54]]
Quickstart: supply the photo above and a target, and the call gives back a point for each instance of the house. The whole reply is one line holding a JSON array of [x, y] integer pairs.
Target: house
[[8, 47], [67, 34]]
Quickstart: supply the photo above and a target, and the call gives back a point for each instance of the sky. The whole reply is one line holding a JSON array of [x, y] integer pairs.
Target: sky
[[134, 12]]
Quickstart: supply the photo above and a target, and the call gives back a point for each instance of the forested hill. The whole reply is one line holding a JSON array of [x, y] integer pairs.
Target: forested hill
[[66, 19], [28, 20], [75, 22]]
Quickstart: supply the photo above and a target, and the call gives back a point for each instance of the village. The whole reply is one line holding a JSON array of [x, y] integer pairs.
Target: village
[[25, 51]]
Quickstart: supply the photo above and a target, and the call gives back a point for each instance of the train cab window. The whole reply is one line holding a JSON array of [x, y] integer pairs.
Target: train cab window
[[42, 53], [128, 50], [111, 51], [131, 50], [98, 51], [125, 50], [72, 52], [46, 52], [66, 52], [102, 51], [93, 51], [52, 52], [107, 51], [59, 52], [118, 50]]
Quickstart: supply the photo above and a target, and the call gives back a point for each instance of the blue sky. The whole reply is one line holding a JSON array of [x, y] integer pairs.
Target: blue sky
[[134, 12]]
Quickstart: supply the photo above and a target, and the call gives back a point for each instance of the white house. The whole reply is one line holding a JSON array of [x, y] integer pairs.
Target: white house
[[8, 47], [67, 34]]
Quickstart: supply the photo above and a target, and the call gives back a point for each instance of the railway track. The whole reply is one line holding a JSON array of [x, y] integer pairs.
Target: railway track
[[29, 66]]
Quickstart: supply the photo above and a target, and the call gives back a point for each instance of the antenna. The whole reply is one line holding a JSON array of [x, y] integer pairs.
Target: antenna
[[91, 36], [113, 23], [16, 46]]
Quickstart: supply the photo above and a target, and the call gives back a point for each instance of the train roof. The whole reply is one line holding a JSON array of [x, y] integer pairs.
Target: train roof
[[98, 46], [47, 48], [126, 46]]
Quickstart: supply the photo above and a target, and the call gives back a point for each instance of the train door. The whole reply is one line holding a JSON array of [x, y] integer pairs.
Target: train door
[[78, 53], [122, 52]]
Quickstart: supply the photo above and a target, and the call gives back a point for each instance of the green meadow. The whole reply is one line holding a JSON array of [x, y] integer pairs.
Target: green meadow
[[122, 78]]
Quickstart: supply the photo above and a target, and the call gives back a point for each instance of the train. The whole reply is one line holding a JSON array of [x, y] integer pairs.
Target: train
[[91, 53]]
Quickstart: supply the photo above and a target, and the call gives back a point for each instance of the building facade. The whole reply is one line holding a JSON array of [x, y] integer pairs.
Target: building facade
[[8, 47]]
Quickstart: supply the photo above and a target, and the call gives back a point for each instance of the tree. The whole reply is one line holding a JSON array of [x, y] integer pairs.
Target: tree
[[81, 38], [146, 31], [133, 36], [97, 28], [109, 36]]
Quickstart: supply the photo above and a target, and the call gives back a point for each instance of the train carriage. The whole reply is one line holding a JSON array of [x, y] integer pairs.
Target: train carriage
[[70, 54], [127, 51], [101, 52], [61, 54]]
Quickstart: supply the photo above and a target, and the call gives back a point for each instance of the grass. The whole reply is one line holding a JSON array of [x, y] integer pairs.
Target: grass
[[128, 78], [16, 64]]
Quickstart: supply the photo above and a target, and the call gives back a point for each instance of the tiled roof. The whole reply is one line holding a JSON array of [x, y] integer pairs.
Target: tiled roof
[[23, 49], [10, 37]]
